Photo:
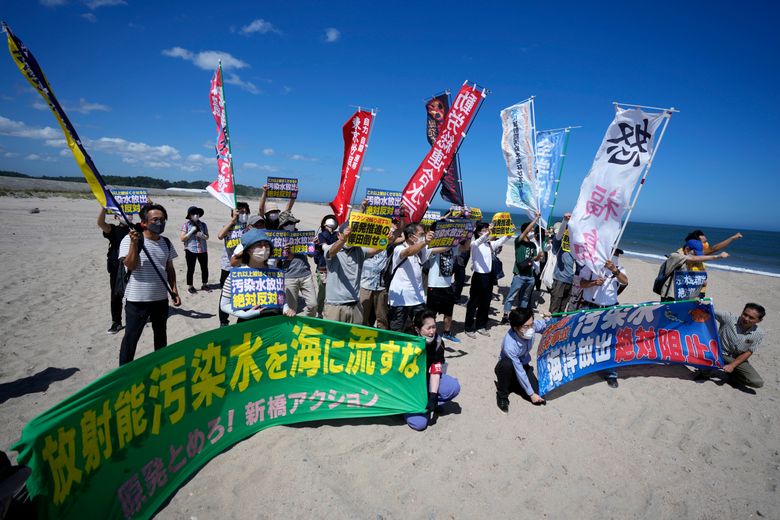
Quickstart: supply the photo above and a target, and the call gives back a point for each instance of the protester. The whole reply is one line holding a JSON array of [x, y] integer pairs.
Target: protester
[[442, 388], [256, 252], [272, 214], [345, 266], [461, 259], [150, 275], [406, 296], [298, 282], [441, 296], [600, 291], [114, 233], [563, 273], [698, 234], [231, 234], [682, 260], [513, 370], [481, 289], [194, 234], [326, 236], [541, 263], [522, 286], [739, 339]]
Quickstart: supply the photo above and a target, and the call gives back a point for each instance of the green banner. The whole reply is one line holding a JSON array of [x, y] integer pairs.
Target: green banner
[[121, 447]]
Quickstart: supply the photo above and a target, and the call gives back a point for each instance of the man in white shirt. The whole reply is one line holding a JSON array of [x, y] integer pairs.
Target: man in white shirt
[[406, 296], [599, 291], [481, 290]]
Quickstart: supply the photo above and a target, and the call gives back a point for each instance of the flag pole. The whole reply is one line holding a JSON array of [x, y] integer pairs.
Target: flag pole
[[667, 116], [227, 135], [560, 171], [374, 112], [535, 169]]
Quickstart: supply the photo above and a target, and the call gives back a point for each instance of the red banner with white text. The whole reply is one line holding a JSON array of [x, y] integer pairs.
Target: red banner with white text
[[356, 132], [223, 188], [419, 190]]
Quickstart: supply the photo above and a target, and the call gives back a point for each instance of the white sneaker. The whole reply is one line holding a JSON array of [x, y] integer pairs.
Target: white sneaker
[[484, 332]]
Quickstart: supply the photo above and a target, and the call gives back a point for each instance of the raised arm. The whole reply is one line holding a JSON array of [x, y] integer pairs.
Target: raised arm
[[226, 229], [263, 195], [101, 222], [723, 245]]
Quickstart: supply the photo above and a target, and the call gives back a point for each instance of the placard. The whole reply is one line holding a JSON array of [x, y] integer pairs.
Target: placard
[[368, 231], [281, 188], [250, 287]]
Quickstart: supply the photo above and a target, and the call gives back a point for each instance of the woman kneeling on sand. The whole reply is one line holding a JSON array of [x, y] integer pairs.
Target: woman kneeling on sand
[[441, 387], [256, 251]]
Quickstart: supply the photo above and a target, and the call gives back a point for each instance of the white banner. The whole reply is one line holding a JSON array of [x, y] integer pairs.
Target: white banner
[[605, 194], [518, 146]]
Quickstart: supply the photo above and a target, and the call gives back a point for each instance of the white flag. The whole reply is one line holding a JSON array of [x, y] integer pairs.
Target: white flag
[[606, 192], [518, 146]]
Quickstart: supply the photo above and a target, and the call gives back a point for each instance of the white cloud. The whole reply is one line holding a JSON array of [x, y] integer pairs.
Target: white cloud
[[206, 60], [332, 35], [94, 4], [40, 105], [10, 155], [65, 153], [89, 17], [301, 157], [268, 151], [233, 79], [56, 143], [369, 169], [36, 157], [260, 26], [53, 3], [19, 129], [83, 106], [262, 167]]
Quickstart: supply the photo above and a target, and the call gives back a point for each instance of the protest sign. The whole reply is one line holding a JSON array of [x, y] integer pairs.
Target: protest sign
[[384, 203], [131, 201], [517, 143], [278, 241], [473, 213], [688, 284], [592, 341], [223, 188], [502, 225], [436, 109], [250, 287], [450, 232], [300, 242], [233, 238], [368, 231], [281, 188], [429, 218], [355, 132], [120, 447]]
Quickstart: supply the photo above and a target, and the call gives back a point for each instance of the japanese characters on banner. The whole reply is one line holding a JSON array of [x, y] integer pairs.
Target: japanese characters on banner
[[549, 152], [449, 233], [592, 341], [300, 242], [517, 142], [233, 238], [419, 191], [430, 217], [384, 203], [474, 214], [688, 284], [282, 188], [356, 132], [130, 201], [250, 287], [123, 445], [606, 191], [502, 225], [436, 110], [223, 188], [368, 231], [278, 239]]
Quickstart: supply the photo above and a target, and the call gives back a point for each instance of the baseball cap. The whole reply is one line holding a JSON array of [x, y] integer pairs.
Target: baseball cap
[[698, 249], [253, 236]]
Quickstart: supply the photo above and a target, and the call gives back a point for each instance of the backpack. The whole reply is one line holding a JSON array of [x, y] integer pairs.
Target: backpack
[[122, 277], [662, 277], [388, 272]]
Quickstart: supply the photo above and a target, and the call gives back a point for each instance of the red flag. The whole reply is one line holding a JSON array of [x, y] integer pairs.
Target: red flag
[[355, 132], [223, 188], [419, 190]]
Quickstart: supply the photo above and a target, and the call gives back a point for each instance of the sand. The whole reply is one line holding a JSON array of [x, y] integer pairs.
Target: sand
[[660, 446]]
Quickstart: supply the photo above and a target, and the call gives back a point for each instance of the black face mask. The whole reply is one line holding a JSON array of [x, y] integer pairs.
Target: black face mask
[[156, 227]]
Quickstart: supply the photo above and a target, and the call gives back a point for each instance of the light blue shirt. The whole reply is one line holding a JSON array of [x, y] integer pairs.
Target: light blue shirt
[[371, 279], [518, 350]]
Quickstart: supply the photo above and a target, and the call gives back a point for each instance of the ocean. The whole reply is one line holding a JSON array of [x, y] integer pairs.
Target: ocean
[[757, 252]]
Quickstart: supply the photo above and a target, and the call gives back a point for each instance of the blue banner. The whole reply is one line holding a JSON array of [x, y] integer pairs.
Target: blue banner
[[688, 284], [591, 341], [549, 151], [251, 287]]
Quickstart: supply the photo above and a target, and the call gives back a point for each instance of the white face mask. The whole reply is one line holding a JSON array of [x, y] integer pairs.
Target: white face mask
[[261, 254], [194, 218], [429, 341], [528, 334], [331, 224], [243, 218]]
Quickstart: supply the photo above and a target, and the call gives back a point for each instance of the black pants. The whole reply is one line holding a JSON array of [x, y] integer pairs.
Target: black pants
[[507, 379], [136, 316], [480, 295], [203, 260], [116, 300], [223, 316], [398, 316], [459, 279]]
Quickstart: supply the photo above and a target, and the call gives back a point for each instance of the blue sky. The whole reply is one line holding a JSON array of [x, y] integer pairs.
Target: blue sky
[[134, 79]]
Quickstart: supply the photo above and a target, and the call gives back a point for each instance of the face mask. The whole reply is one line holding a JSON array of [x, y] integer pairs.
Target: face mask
[[331, 224], [194, 218], [261, 254], [243, 218], [528, 334], [429, 341], [156, 227], [129, 218], [273, 216]]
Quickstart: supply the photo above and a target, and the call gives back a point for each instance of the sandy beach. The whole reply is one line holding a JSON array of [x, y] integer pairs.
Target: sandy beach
[[660, 446]]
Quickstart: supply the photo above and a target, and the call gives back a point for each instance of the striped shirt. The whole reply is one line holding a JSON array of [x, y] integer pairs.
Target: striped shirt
[[144, 284], [733, 339]]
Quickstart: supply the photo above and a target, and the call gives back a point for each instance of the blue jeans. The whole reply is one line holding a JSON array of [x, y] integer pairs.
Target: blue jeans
[[524, 285], [449, 388]]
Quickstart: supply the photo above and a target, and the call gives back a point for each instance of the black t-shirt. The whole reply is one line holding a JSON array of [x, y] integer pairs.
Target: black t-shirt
[[434, 352], [114, 238]]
